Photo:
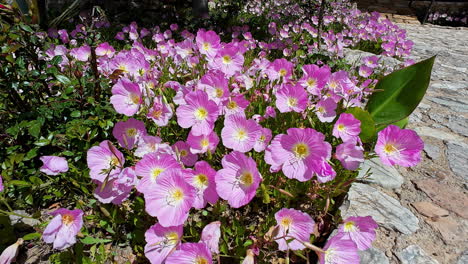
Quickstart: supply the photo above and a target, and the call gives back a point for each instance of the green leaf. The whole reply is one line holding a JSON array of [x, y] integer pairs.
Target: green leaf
[[63, 79], [32, 236], [26, 28], [399, 93], [402, 124], [367, 123], [91, 240], [75, 113], [19, 183], [34, 128]]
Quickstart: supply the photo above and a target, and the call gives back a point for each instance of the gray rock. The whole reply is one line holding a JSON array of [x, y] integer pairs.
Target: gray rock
[[458, 159], [458, 124], [432, 151], [463, 258], [454, 103], [415, 255], [18, 220], [440, 134], [373, 256], [385, 176], [365, 200]]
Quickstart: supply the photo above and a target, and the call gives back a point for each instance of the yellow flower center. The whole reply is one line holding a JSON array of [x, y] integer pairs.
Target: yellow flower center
[[172, 237], [301, 150], [219, 92], [262, 138], [177, 195], [227, 59], [231, 105], [114, 161], [341, 127], [155, 172], [131, 132], [201, 113], [156, 114], [349, 226], [311, 82], [321, 109], [241, 134], [246, 178], [67, 219], [134, 98], [201, 180], [123, 68], [283, 72], [201, 260], [286, 222], [206, 46], [389, 148], [292, 101], [333, 84], [204, 143], [183, 153]]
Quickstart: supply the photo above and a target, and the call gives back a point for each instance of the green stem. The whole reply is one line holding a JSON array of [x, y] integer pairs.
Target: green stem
[[13, 213]]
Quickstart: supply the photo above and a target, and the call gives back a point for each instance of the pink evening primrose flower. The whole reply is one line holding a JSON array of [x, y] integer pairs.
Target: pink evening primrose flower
[[399, 146], [208, 42], [160, 113], [280, 68], [235, 104], [104, 161], [228, 60], [298, 152], [191, 253], [361, 230], [9, 254], [172, 200], [82, 53], [350, 155], [326, 110], [263, 140], [291, 98], [151, 167], [1, 184], [152, 144], [338, 251], [238, 180], [129, 132], [239, 133], [183, 152], [118, 189], [315, 78], [347, 127], [62, 229], [161, 241], [200, 113], [202, 178], [126, 97], [295, 225], [53, 165], [365, 71], [104, 49], [216, 85], [203, 143], [210, 236]]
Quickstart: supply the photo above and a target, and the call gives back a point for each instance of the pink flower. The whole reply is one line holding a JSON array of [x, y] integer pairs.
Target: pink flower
[[203, 143], [371, 61], [203, 180], [190, 253], [152, 144], [360, 230], [151, 167], [399, 146], [365, 71], [63, 228], [9, 254], [315, 78], [82, 53], [239, 133], [270, 112], [299, 152], [238, 180], [182, 150], [350, 155], [339, 251], [280, 68], [172, 200], [129, 132], [228, 60], [263, 140], [160, 113], [295, 225], [200, 113], [235, 104], [208, 42], [291, 98], [126, 97], [104, 161], [324, 171], [347, 127], [161, 241], [1, 184], [326, 110], [104, 49], [118, 189], [53, 165], [215, 84], [210, 236]]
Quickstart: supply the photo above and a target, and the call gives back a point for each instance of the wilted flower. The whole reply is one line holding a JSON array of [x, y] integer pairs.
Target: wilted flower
[[210, 236], [9, 254], [238, 180], [293, 224], [62, 229], [161, 241], [53, 165], [399, 146]]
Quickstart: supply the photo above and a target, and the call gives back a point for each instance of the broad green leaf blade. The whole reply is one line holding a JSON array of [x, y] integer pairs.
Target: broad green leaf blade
[[402, 124], [368, 131], [400, 92]]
